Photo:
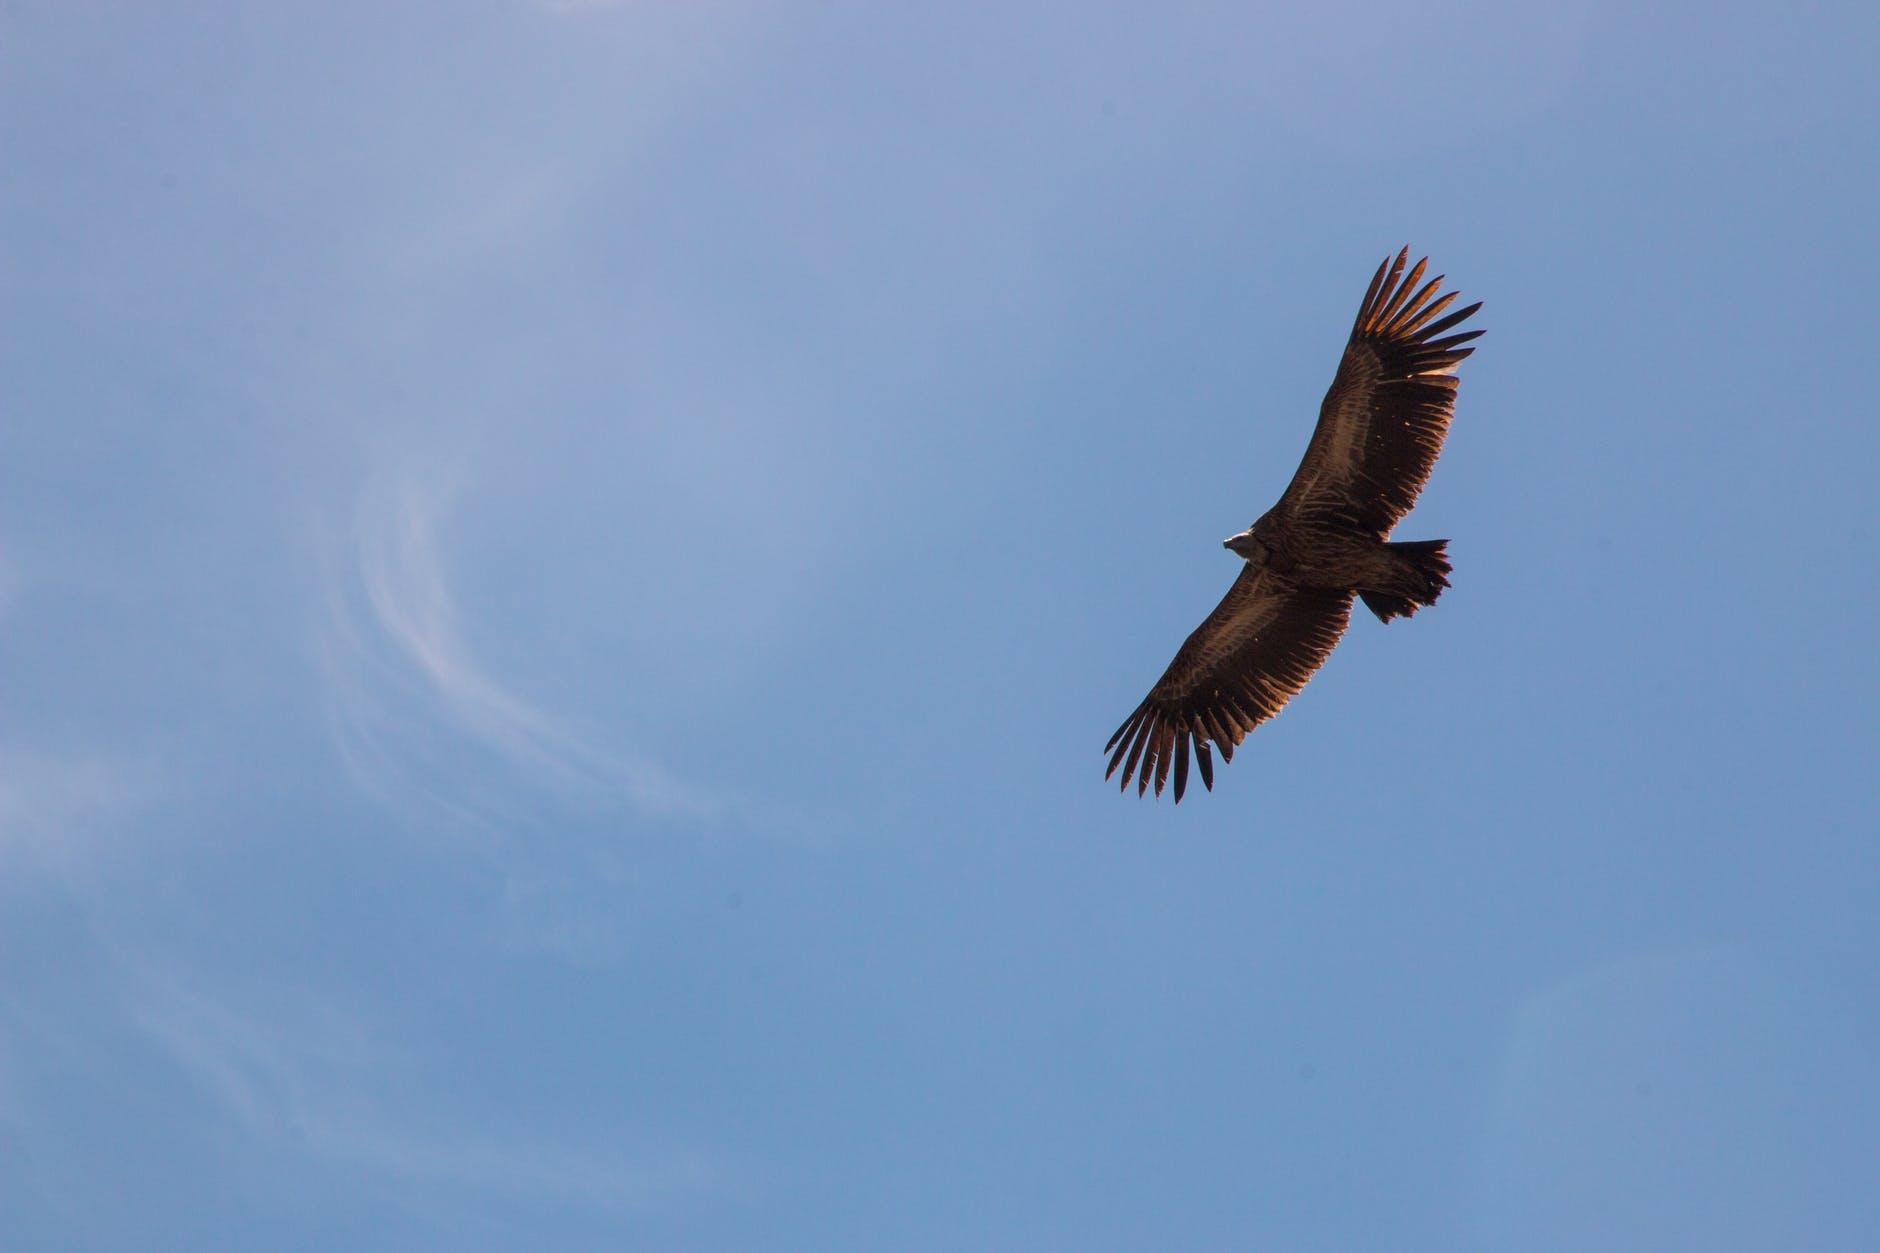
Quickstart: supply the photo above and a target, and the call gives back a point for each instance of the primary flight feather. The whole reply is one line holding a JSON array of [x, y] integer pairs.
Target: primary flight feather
[[1380, 428]]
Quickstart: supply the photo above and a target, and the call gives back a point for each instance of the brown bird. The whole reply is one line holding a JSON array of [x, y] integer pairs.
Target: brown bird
[[1380, 428]]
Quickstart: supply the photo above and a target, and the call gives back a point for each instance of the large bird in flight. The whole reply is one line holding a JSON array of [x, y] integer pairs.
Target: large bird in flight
[[1380, 428]]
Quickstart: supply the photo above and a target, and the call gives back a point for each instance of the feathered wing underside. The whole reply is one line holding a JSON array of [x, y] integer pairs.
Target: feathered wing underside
[[1238, 668], [1383, 421]]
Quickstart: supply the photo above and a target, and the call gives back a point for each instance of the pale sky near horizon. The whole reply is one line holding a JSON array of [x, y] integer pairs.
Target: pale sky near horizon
[[565, 569]]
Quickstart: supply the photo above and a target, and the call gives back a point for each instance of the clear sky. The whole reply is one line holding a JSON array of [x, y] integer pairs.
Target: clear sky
[[565, 569]]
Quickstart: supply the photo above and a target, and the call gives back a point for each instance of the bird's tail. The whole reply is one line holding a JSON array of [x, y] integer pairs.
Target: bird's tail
[[1420, 572]]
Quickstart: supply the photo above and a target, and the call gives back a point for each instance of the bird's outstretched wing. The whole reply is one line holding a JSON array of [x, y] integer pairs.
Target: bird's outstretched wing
[[1383, 421], [1258, 648]]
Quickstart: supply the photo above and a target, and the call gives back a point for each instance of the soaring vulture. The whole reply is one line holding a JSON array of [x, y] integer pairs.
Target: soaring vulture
[[1380, 428]]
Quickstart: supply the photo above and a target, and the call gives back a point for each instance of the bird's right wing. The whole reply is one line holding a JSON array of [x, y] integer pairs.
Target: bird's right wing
[[1251, 655]]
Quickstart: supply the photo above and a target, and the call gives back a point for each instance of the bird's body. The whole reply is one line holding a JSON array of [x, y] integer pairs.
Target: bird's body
[[1332, 555], [1326, 541]]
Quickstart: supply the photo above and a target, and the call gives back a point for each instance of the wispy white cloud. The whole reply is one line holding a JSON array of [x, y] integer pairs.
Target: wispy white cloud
[[305, 1076], [54, 805], [606, 1178], [400, 670]]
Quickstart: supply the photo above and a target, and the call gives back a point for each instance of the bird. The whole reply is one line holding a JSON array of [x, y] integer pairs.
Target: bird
[[1379, 431]]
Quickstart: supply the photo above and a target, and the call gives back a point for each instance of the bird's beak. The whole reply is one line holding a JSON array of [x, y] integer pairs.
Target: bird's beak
[[1235, 541]]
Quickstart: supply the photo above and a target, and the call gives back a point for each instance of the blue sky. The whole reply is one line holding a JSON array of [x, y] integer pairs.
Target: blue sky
[[565, 568]]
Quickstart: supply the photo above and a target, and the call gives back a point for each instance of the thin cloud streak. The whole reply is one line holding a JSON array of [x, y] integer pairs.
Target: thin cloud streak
[[398, 664]]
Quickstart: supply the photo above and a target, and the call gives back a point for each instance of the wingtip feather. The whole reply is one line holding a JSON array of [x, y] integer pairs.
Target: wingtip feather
[[1181, 763], [1136, 743]]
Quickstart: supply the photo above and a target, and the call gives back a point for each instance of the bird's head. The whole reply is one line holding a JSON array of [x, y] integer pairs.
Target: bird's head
[[1246, 546]]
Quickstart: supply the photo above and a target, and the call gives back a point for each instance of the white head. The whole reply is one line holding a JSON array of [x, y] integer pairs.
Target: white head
[[1247, 546]]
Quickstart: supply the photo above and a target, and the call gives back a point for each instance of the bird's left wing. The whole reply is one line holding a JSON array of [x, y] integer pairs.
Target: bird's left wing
[[1383, 420], [1251, 656]]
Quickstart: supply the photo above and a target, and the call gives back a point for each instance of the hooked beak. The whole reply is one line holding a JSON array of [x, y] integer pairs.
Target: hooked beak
[[1238, 542]]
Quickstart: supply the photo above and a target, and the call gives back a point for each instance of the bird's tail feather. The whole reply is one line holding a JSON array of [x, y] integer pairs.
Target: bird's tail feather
[[1424, 569]]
